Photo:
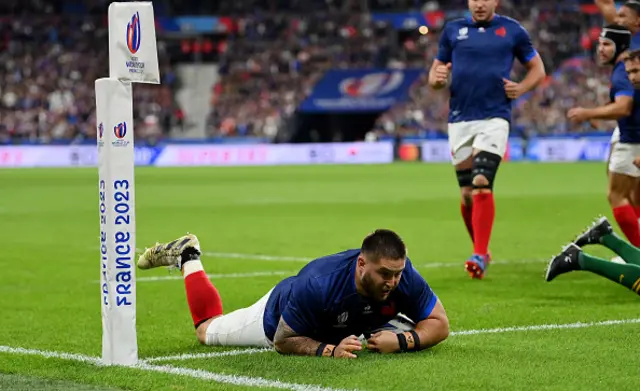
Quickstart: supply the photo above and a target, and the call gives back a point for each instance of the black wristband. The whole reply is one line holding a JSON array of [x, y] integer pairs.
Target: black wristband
[[402, 340], [321, 349], [416, 340]]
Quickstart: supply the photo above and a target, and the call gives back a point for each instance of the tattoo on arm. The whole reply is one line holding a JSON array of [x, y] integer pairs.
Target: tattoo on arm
[[287, 341]]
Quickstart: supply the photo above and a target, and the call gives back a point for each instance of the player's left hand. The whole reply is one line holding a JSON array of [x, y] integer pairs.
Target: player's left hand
[[383, 342], [514, 90], [636, 162], [577, 114]]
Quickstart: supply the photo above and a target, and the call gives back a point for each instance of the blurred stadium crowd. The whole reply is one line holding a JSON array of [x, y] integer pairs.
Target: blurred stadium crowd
[[278, 49]]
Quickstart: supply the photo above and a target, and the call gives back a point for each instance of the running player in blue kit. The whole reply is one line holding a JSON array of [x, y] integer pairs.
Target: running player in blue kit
[[628, 15], [624, 107], [326, 309], [478, 53]]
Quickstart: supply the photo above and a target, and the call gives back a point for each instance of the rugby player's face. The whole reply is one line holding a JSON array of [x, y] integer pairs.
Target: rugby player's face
[[633, 70], [606, 51], [482, 10], [628, 18], [381, 278]]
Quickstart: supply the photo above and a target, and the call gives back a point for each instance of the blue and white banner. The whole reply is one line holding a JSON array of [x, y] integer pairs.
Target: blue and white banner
[[204, 155], [360, 90], [568, 149]]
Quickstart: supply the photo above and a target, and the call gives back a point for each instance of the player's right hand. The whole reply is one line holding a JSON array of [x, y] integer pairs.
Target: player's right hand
[[347, 346], [441, 73]]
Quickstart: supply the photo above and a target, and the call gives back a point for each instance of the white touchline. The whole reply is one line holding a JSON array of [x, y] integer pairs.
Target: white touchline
[[189, 356], [239, 380], [540, 327], [253, 381]]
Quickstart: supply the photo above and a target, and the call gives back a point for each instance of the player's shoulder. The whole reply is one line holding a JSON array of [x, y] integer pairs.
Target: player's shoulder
[[507, 20], [455, 24], [330, 265], [619, 71], [511, 24]]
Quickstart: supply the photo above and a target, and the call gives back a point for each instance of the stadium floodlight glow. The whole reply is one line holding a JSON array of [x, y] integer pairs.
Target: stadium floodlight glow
[[133, 58]]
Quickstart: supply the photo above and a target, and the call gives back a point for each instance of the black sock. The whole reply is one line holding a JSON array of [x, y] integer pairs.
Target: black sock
[[189, 254]]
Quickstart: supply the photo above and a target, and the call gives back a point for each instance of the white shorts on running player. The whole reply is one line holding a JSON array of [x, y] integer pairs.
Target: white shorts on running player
[[242, 327], [622, 157], [489, 135], [615, 136]]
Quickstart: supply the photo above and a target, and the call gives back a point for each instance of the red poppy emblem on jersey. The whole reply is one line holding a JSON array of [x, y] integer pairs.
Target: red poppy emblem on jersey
[[501, 32], [389, 309]]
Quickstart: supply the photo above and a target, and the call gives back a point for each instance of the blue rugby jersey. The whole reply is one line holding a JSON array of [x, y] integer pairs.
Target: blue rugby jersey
[[481, 55], [322, 303]]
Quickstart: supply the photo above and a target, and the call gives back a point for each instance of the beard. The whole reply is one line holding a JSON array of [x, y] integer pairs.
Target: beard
[[369, 286]]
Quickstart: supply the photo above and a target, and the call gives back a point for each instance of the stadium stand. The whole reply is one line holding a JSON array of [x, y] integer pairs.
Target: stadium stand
[[268, 59]]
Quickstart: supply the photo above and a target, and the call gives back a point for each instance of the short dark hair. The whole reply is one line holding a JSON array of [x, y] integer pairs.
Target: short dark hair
[[383, 244], [632, 55], [633, 5]]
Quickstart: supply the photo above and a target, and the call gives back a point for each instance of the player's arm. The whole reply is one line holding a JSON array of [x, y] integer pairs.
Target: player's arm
[[430, 331], [302, 315], [608, 10], [531, 59], [535, 74], [439, 74], [422, 306], [441, 67], [287, 341], [620, 108]]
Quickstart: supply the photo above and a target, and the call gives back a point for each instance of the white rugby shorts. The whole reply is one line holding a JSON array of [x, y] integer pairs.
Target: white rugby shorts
[[489, 135], [242, 327], [615, 136], [621, 160]]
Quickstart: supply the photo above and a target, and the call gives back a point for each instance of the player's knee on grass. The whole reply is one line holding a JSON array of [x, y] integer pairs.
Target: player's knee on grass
[[201, 331], [485, 168]]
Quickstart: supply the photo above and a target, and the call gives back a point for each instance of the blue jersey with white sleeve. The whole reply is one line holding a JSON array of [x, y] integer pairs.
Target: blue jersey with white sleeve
[[322, 303], [621, 86], [481, 55]]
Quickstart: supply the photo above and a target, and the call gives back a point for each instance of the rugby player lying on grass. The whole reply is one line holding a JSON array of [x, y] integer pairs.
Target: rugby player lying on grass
[[328, 309]]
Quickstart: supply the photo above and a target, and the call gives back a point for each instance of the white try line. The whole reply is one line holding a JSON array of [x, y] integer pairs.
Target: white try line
[[497, 330], [577, 325], [239, 380]]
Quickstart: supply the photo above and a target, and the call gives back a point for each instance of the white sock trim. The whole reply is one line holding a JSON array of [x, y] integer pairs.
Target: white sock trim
[[191, 267]]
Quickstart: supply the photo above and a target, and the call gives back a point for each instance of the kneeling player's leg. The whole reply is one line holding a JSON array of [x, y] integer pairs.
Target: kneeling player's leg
[[628, 252], [573, 259]]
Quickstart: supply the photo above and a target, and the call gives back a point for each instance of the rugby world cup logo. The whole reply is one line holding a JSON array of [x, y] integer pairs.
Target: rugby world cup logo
[[120, 130], [133, 33], [100, 129], [379, 83]]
